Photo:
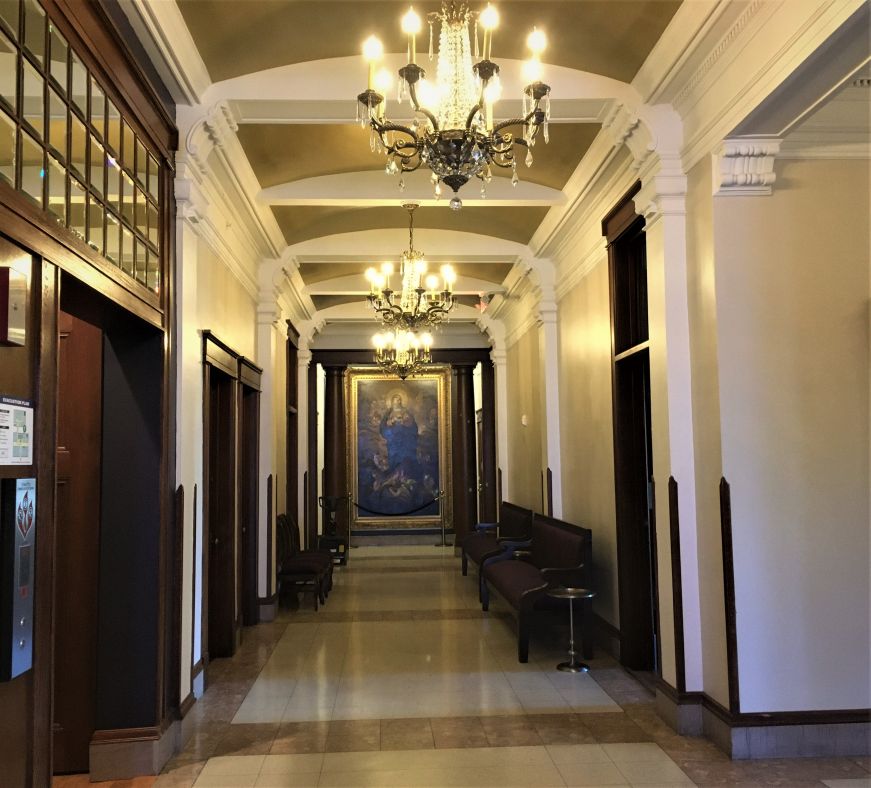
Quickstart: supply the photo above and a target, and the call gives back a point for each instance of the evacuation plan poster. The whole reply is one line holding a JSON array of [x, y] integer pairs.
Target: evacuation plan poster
[[16, 431]]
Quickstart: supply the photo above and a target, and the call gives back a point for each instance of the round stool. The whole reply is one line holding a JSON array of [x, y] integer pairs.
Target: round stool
[[570, 593]]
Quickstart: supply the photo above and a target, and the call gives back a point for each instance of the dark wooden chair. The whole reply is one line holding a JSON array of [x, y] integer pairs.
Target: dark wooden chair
[[301, 569], [490, 541]]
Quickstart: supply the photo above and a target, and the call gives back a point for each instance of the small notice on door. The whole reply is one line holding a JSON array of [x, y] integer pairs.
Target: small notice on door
[[16, 432]]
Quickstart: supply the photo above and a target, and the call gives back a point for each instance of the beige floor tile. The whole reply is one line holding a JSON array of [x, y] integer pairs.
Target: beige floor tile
[[290, 763], [296, 780], [577, 753], [226, 781], [650, 772], [233, 764], [493, 777], [592, 774]]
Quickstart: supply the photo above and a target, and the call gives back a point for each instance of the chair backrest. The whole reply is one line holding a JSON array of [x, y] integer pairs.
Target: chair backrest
[[515, 522], [287, 538], [560, 545]]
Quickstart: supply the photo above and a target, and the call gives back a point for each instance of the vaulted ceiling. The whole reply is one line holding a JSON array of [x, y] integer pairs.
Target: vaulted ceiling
[[314, 164]]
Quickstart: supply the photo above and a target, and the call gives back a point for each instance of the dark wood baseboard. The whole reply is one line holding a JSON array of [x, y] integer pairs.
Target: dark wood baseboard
[[186, 705], [126, 735], [760, 719], [197, 669]]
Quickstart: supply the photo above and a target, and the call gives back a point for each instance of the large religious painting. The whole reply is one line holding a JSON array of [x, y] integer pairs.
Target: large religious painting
[[398, 449]]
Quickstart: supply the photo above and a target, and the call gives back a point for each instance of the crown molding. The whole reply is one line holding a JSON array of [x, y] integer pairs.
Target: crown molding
[[164, 34]]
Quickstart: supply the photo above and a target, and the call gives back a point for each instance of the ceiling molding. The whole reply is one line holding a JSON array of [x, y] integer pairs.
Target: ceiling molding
[[161, 29]]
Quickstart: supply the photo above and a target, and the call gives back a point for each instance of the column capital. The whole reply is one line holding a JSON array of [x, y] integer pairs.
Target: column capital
[[663, 189]]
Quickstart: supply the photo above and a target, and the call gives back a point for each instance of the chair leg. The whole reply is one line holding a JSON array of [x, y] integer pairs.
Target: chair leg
[[465, 564], [485, 596], [522, 637], [316, 595]]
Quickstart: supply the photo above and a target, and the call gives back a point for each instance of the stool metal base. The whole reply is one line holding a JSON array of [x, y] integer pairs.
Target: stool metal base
[[573, 667]]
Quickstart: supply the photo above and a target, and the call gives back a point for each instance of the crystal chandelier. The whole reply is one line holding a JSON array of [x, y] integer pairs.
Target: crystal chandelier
[[401, 352], [453, 131], [424, 299]]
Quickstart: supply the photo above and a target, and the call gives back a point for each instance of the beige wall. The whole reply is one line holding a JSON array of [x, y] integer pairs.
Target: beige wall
[[524, 399], [701, 297], [586, 425], [223, 305], [792, 282]]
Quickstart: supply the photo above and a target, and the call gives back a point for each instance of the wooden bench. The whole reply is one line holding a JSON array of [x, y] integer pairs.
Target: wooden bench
[[490, 540], [559, 555]]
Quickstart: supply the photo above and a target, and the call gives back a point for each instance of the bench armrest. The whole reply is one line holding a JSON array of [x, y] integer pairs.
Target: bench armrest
[[522, 555], [485, 527]]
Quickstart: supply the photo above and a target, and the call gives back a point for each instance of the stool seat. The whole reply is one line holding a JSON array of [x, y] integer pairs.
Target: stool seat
[[570, 592]]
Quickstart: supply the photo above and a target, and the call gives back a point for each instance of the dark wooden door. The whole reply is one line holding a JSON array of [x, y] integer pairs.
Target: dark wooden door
[[633, 457], [249, 427], [221, 439], [482, 488], [79, 437]]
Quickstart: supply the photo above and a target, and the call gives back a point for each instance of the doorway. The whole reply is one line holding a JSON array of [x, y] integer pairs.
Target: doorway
[[633, 456], [79, 463], [249, 428], [220, 519]]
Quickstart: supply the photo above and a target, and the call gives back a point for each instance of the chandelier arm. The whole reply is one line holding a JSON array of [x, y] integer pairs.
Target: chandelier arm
[[475, 110], [412, 91], [515, 122], [383, 128]]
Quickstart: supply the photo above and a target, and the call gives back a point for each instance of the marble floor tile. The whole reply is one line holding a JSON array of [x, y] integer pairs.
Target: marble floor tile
[[401, 680]]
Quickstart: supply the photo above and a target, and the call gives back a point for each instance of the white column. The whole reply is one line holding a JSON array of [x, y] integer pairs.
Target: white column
[[268, 343], [548, 360], [500, 383], [189, 420], [662, 200], [304, 358]]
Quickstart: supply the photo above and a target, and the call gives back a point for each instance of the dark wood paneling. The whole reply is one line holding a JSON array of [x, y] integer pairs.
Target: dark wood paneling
[[312, 459], [220, 355], [194, 562], [729, 596], [622, 215], [249, 474], [463, 460], [174, 677], [220, 446], [77, 550], [489, 491], [335, 447], [270, 530], [676, 584], [250, 374]]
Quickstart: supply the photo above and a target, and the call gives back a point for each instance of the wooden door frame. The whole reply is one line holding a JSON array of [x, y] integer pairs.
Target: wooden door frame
[[617, 225], [248, 477]]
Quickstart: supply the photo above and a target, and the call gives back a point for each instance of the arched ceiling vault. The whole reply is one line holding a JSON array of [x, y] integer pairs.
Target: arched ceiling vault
[[289, 72]]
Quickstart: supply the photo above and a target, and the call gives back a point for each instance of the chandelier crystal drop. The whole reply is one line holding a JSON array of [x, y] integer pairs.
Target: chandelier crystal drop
[[453, 132], [423, 299], [402, 352]]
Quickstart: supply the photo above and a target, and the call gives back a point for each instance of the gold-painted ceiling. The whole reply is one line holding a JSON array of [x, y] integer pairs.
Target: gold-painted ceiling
[[301, 223], [281, 153], [313, 273], [609, 37]]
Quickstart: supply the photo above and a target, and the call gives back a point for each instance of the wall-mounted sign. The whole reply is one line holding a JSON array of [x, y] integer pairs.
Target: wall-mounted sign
[[16, 431], [17, 541]]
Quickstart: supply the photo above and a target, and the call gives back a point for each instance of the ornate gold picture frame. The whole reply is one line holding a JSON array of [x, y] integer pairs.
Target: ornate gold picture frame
[[399, 454]]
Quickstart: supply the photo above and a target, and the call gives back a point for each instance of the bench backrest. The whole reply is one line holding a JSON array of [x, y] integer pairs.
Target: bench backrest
[[560, 545], [515, 522]]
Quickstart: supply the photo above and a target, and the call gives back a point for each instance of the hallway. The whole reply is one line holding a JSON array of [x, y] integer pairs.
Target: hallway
[[401, 680]]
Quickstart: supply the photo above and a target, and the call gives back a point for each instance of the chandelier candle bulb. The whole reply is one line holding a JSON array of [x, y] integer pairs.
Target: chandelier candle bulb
[[411, 27], [489, 21], [373, 50]]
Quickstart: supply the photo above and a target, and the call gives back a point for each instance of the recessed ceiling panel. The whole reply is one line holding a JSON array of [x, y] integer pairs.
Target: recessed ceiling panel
[[612, 38], [281, 153], [302, 223]]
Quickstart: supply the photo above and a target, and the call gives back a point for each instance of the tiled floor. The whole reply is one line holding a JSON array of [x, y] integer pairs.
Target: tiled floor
[[400, 680]]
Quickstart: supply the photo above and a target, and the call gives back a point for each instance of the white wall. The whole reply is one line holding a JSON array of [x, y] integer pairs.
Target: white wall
[[208, 296], [792, 282]]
